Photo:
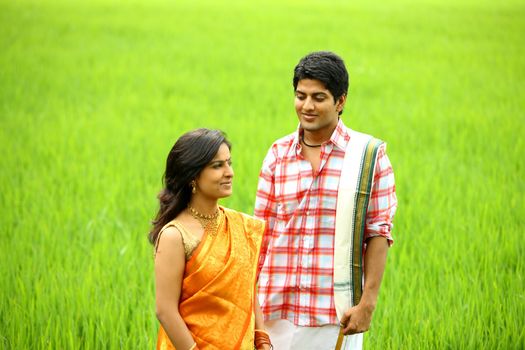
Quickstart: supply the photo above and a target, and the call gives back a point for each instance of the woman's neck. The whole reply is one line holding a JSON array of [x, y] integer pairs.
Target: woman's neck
[[203, 206]]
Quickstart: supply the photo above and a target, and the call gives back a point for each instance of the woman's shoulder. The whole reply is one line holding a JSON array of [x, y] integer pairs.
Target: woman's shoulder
[[246, 218], [172, 231], [233, 212], [169, 237], [176, 228]]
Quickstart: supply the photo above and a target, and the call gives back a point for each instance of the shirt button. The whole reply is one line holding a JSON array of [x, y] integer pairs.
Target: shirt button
[[308, 213]]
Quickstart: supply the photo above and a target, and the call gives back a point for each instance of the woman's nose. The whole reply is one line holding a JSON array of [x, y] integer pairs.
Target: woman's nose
[[229, 171]]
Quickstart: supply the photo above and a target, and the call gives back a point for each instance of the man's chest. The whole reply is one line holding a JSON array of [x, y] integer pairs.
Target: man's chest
[[298, 188]]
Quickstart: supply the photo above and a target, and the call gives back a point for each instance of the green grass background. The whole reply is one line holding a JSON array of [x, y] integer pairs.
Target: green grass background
[[94, 93]]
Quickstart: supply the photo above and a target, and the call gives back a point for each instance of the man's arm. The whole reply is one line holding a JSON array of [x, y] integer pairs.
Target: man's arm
[[380, 213], [357, 319], [265, 202]]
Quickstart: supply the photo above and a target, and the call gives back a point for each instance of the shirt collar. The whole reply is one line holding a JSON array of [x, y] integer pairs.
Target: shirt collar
[[339, 138]]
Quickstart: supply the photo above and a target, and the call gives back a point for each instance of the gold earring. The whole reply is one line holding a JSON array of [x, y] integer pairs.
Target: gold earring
[[193, 187]]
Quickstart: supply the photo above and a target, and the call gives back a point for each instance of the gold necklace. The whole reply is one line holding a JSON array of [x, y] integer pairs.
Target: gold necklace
[[203, 219]]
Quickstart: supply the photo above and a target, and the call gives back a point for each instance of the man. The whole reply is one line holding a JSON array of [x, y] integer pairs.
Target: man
[[327, 194]]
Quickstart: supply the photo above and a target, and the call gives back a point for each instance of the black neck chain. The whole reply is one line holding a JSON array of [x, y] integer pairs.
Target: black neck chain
[[307, 145]]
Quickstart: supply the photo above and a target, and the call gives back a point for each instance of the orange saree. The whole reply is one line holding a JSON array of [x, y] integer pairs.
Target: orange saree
[[218, 289]]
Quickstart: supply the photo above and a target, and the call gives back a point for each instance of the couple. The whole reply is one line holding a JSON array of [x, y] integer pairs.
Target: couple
[[296, 276]]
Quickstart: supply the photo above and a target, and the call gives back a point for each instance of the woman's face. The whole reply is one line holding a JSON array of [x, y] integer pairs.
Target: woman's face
[[215, 180]]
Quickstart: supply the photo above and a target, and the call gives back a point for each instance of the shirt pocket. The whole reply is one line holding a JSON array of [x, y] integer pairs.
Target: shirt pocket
[[286, 208], [287, 202]]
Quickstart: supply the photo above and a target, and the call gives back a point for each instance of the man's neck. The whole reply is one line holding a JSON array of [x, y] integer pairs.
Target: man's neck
[[319, 136]]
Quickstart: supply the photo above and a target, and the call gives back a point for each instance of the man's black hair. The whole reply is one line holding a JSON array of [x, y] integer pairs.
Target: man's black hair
[[326, 67]]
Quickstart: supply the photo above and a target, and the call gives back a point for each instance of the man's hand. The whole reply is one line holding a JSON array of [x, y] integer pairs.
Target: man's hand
[[357, 319]]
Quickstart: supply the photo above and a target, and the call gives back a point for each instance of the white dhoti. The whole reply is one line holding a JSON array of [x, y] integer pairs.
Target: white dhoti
[[287, 336]]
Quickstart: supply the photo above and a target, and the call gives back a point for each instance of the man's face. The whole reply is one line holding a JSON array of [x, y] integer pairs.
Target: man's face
[[315, 106]]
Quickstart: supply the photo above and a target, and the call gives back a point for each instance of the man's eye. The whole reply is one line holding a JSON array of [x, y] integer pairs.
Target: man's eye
[[299, 97]]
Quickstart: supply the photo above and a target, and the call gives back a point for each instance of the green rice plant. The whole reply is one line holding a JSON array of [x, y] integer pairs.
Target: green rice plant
[[93, 95]]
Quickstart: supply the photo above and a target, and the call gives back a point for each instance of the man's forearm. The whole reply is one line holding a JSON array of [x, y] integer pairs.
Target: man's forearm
[[375, 261]]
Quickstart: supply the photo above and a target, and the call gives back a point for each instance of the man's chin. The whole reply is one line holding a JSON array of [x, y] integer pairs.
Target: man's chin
[[308, 126]]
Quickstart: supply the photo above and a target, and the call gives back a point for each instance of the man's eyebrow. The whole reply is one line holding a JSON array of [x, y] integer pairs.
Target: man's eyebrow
[[317, 93]]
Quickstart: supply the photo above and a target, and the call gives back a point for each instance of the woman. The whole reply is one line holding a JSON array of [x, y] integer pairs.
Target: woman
[[205, 255]]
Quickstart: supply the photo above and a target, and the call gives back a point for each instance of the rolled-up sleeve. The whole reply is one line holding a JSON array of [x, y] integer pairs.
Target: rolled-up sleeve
[[265, 202], [383, 201]]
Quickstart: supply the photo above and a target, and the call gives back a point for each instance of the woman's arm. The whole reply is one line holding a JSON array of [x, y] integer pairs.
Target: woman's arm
[[169, 271], [259, 319], [259, 326]]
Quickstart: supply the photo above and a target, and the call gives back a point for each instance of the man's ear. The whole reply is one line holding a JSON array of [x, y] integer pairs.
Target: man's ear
[[340, 104]]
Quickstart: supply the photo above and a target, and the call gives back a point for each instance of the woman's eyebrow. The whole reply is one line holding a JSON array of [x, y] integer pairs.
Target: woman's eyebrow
[[220, 161]]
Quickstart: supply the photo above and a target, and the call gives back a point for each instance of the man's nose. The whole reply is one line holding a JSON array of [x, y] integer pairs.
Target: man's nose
[[308, 104]]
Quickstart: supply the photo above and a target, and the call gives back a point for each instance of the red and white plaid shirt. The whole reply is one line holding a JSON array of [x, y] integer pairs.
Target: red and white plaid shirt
[[297, 255]]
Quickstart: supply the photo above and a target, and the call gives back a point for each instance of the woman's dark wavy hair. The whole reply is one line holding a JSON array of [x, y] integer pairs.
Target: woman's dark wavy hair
[[187, 158], [326, 67]]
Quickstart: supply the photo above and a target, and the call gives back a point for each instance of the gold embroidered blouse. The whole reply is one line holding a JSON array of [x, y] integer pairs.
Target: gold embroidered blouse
[[189, 241]]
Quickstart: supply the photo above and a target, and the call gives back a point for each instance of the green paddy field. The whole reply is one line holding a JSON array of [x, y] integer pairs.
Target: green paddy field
[[94, 93]]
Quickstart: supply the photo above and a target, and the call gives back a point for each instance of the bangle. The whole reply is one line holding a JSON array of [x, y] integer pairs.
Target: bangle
[[262, 338], [262, 331], [194, 347]]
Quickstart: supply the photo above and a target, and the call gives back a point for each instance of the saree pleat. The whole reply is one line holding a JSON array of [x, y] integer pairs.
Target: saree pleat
[[218, 289]]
